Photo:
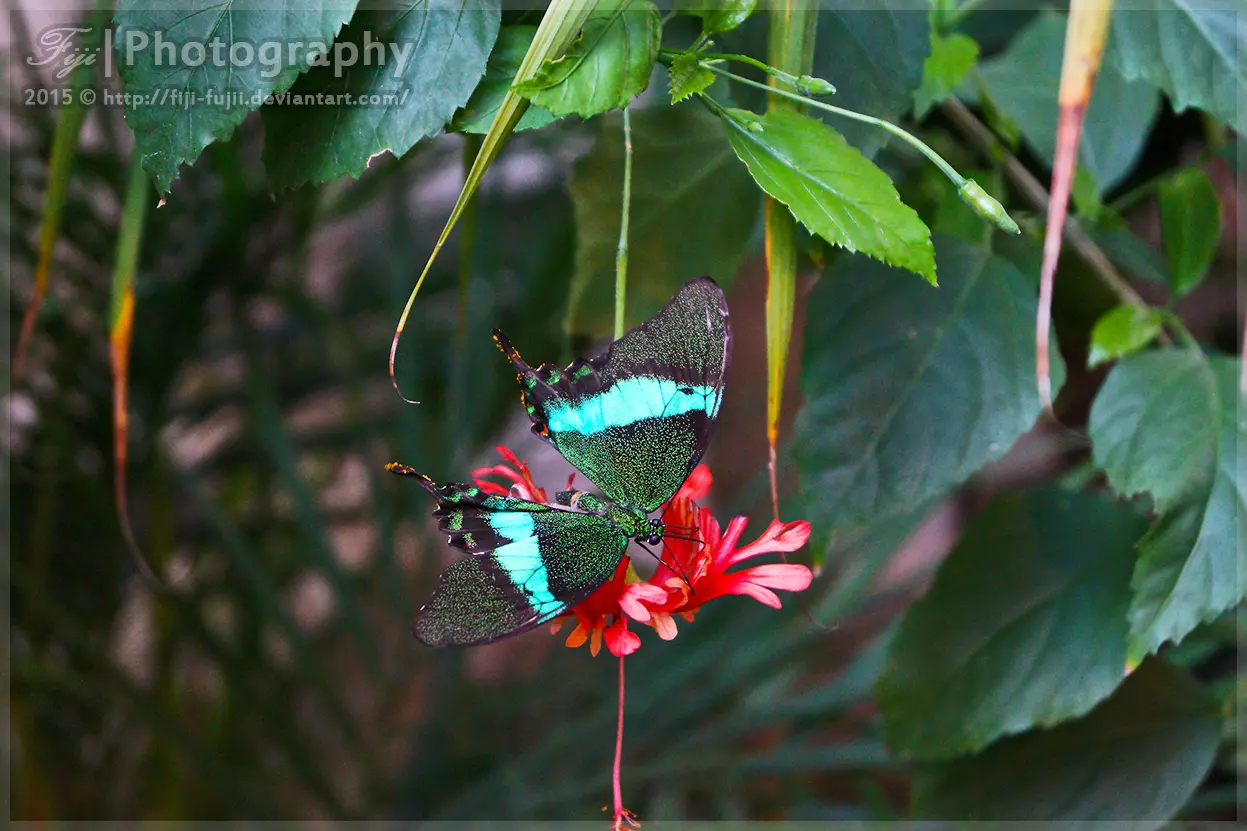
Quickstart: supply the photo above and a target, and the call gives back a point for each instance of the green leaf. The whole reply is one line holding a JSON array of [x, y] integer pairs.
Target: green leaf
[[179, 119], [436, 52], [909, 391], [693, 208], [504, 62], [874, 54], [608, 65], [1034, 595], [688, 77], [951, 59], [1138, 756], [1022, 83], [1190, 216], [719, 17], [1166, 423], [830, 187], [1192, 51], [1123, 331]]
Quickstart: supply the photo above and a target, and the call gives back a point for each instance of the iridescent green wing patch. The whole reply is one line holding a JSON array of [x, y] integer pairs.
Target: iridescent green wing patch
[[637, 419], [530, 563]]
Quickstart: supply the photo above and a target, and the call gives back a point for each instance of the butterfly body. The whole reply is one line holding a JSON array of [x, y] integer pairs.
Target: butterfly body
[[635, 421], [629, 521]]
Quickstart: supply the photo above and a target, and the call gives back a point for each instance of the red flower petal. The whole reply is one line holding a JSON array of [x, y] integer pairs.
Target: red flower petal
[[664, 625], [790, 577], [619, 640], [696, 486], [758, 593], [777, 537]]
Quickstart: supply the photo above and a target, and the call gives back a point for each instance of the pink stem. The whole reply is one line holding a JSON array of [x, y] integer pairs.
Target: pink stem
[[1068, 130], [620, 814]]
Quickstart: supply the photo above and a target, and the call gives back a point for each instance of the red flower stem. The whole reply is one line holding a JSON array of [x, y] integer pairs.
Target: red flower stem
[[620, 813]]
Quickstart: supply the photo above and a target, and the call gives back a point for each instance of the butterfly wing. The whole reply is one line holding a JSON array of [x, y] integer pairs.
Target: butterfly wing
[[530, 563], [637, 419]]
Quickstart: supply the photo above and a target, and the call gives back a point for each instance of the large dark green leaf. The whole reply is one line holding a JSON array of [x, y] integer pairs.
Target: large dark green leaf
[[1138, 756], [693, 207], [606, 66], [874, 55], [909, 390], [447, 43], [1022, 83], [1193, 51], [1166, 423], [830, 187], [1033, 596], [504, 62], [211, 42]]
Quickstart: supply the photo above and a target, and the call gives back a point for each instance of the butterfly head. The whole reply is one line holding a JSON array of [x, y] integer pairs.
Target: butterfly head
[[655, 532]]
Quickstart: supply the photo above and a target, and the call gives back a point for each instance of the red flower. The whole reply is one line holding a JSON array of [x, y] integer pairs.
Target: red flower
[[706, 562]]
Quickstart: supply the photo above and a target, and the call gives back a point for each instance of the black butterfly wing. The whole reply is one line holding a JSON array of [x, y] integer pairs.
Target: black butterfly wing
[[530, 563], [637, 419]]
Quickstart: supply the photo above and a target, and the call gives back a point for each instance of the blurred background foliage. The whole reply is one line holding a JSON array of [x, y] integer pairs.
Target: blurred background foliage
[[277, 679]]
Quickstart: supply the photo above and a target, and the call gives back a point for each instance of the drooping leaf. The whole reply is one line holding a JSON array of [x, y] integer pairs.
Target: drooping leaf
[[1166, 423], [1136, 757], [951, 59], [693, 207], [69, 119], [120, 336], [504, 62], [830, 187], [909, 391], [1022, 83], [1192, 51], [606, 66], [874, 55], [688, 77], [436, 52], [239, 53], [1190, 216], [560, 25], [1122, 331], [1034, 594], [790, 48]]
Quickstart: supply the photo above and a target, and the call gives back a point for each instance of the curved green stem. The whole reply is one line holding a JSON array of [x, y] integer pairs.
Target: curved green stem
[[1180, 331], [621, 253], [806, 84], [909, 138]]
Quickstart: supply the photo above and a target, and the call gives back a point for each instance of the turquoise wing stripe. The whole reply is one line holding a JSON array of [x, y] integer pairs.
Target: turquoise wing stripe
[[511, 525], [630, 400], [522, 561], [523, 564]]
